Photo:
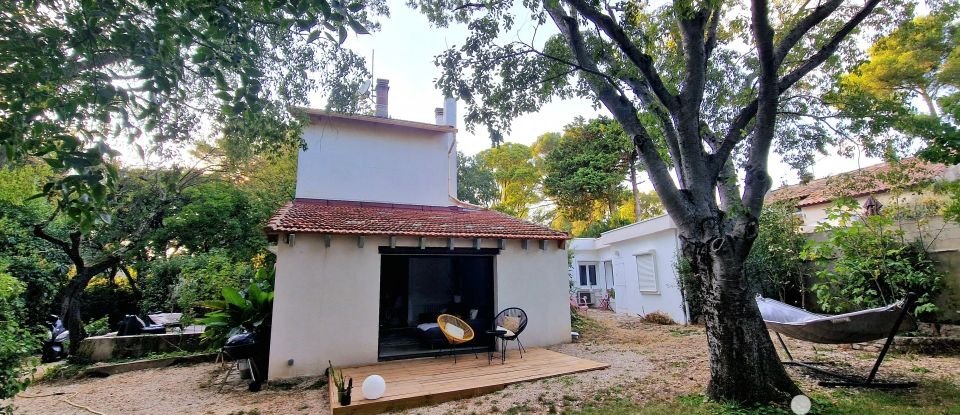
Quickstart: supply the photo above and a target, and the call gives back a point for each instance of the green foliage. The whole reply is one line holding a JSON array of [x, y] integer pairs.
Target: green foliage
[[16, 342], [79, 73], [866, 262], [594, 229], [516, 176], [216, 215], [774, 266], [475, 183], [690, 288], [98, 327], [204, 277], [918, 62], [248, 310], [589, 163]]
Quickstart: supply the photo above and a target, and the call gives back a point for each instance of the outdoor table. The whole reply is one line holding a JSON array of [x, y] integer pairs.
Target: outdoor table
[[498, 334]]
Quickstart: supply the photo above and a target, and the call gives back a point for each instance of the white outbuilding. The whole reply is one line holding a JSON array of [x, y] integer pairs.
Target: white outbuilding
[[375, 246], [633, 267]]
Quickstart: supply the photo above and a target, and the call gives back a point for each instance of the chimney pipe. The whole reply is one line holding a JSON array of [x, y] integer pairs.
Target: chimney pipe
[[438, 114], [383, 95], [450, 111]]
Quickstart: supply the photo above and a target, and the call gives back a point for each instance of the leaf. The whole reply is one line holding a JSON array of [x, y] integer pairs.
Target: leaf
[[342, 32], [355, 6], [358, 28], [314, 35], [232, 296]]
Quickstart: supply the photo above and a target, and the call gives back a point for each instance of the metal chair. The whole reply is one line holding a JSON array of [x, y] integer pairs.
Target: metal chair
[[514, 320], [455, 339]]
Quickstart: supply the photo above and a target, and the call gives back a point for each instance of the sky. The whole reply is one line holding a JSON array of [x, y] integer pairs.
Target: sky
[[403, 52]]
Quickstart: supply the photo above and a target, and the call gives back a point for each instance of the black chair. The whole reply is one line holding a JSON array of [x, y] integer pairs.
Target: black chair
[[510, 314]]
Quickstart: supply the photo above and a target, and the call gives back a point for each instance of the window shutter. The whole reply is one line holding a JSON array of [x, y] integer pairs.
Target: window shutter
[[647, 273]]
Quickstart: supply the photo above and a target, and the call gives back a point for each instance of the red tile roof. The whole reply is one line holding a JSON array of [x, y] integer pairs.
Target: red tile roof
[[869, 180], [364, 218]]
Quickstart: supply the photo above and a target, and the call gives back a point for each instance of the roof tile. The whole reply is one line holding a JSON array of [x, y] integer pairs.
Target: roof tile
[[362, 218]]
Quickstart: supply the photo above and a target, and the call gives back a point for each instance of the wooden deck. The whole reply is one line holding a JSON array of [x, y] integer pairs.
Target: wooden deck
[[429, 381]]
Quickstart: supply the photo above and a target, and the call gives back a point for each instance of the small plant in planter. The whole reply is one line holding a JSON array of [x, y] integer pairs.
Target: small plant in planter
[[343, 389]]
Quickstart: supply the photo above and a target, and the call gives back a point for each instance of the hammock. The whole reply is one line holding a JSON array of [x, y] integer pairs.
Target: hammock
[[859, 326], [855, 327]]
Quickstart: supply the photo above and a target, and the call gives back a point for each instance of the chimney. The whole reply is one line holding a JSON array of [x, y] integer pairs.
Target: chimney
[[438, 113], [383, 95], [450, 111]]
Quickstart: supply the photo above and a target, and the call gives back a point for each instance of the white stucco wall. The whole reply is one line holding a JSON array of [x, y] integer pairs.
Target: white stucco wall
[[327, 299], [351, 160], [657, 235]]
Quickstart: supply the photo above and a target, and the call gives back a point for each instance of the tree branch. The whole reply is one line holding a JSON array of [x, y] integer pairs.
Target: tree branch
[[643, 61], [625, 113], [815, 17], [738, 126], [711, 42]]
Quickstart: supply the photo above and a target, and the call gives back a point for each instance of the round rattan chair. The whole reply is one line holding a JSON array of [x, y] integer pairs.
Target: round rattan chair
[[455, 339], [514, 320]]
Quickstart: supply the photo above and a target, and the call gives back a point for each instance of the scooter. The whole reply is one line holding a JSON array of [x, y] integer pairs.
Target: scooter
[[53, 349]]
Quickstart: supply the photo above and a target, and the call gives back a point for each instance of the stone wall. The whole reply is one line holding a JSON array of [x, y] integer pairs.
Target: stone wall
[[111, 347]]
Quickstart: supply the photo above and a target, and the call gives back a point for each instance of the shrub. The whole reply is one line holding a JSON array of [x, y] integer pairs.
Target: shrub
[[237, 311], [658, 317], [867, 263], [16, 342], [774, 267], [98, 327]]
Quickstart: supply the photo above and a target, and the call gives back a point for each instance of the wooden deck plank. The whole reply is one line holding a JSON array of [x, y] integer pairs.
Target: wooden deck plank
[[429, 381]]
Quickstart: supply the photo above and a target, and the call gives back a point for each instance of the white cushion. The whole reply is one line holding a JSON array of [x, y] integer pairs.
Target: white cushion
[[427, 326], [508, 332], [453, 330]]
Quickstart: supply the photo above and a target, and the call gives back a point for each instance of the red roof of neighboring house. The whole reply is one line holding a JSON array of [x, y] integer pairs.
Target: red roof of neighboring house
[[365, 218], [316, 115], [869, 180]]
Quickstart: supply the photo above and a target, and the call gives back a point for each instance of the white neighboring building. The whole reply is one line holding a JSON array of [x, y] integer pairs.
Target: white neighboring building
[[376, 245], [637, 261]]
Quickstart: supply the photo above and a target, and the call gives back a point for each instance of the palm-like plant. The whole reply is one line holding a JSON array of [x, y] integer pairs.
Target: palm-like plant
[[249, 310]]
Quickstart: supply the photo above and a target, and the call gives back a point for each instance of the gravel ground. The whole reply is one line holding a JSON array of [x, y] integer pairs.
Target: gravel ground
[[647, 362]]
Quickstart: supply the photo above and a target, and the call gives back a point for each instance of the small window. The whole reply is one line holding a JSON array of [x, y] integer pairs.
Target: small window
[[647, 273], [588, 274]]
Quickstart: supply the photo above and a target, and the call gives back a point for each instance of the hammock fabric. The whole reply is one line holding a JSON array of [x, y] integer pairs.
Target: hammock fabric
[[856, 327], [859, 326]]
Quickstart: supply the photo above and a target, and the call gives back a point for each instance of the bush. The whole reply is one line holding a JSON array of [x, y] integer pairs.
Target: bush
[[658, 317], [689, 285], [203, 278], [98, 327], [867, 263], [774, 267], [16, 342]]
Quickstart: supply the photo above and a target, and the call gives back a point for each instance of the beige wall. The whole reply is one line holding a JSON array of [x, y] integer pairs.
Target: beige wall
[[327, 298]]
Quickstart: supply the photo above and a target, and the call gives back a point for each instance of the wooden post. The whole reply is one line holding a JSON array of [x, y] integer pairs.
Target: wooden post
[[543, 244], [393, 241], [502, 244], [423, 243], [523, 243], [291, 238], [326, 241], [450, 243], [360, 241], [476, 243]]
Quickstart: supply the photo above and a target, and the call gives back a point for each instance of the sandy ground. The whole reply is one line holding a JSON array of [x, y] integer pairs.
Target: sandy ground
[[647, 362]]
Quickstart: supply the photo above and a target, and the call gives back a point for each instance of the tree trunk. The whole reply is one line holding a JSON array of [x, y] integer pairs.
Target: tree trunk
[[70, 308], [744, 365], [636, 191]]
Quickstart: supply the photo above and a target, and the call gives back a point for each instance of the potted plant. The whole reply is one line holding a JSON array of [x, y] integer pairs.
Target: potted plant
[[343, 390]]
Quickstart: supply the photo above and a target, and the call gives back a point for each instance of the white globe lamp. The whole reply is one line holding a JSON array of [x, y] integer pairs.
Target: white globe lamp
[[374, 387]]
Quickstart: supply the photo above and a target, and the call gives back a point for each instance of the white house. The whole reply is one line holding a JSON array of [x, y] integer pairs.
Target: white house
[[376, 245], [637, 261]]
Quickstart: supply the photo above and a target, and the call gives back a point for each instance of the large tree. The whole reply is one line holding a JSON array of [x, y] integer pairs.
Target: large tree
[[516, 176], [709, 80], [77, 74], [910, 84], [589, 163]]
